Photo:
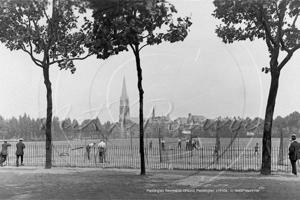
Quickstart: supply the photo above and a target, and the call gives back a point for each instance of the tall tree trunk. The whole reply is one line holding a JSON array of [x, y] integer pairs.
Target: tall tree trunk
[[48, 117], [217, 146], [141, 94], [266, 154]]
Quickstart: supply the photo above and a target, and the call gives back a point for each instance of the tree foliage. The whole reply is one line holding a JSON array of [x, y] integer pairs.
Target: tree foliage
[[274, 21], [120, 24], [28, 26]]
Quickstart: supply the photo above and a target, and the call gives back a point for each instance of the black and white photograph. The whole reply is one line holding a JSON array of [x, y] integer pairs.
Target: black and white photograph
[[149, 99]]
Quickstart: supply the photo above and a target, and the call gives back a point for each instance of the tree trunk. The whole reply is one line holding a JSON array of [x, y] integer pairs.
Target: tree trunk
[[217, 147], [141, 94], [159, 144], [266, 154], [48, 118]]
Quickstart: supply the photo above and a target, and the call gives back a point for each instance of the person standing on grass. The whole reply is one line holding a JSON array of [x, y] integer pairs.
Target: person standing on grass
[[187, 144], [200, 144], [4, 152], [190, 144], [294, 153], [20, 151], [102, 150], [88, 149], [256, 149], [163, 144], [179, 143], [194, 144]]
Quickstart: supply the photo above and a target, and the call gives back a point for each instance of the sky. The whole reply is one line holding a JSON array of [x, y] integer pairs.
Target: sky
[[200, 75]]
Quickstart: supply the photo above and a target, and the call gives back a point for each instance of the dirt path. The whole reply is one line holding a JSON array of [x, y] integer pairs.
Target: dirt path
[[85, 183]]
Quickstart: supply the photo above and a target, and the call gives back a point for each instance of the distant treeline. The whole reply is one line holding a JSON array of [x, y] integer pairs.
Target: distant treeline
[[287, 125], [33, 129], [67, 129]]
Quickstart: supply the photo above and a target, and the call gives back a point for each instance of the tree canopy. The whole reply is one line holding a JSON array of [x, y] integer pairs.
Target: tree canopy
[[29, 26], [274, 21], [120, 24]]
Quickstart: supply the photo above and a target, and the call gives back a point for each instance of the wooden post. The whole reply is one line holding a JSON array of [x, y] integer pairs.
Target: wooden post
[[147, 131], [238, 142], [231, 146], [280, 155], [159, 141], [85, 149], [191, 147], [131, 142]]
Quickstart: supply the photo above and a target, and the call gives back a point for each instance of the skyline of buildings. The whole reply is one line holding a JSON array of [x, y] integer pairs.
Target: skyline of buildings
[[130, 125]]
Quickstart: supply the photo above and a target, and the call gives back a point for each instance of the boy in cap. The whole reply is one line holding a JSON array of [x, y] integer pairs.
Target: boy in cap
[[194, 145], [179, 143], [20, 151], [163, 144], [187, 144], [102, 149], [294, 154], [88, 149], [256, 149]]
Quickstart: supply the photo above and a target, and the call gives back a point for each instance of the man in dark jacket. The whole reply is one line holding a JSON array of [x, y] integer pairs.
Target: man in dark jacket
[[294, 153], [20, 151], [4, 152]]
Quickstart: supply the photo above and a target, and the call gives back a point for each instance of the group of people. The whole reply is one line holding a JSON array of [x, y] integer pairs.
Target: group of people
[[20, 146], [101, 150], [163, 147], [189, 144], [294, 150], [19, 152]]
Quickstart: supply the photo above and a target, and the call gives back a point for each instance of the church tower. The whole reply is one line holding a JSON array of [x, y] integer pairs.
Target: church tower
[[124, 106]]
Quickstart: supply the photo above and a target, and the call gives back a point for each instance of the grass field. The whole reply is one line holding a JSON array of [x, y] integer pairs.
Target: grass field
[[209, 142], [241, 142], [120, 153]]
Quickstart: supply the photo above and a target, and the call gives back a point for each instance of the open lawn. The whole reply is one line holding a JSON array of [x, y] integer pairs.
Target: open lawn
[[86, 183], [120, 154], [239, 142]]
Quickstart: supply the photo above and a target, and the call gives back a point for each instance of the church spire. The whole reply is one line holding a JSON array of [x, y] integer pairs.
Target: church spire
[[124, 106], [124, 90]]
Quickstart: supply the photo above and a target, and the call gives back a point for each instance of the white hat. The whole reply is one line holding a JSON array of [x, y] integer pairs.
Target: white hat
[[21, 139]]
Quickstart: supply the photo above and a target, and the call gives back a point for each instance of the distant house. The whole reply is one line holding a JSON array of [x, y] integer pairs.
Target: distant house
[[190, 120], [250, 134], [182, 120], [186, 123], [195, 119], [129, 126]]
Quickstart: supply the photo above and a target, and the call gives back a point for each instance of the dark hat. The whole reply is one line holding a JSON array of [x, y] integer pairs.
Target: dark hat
[[293, 136]]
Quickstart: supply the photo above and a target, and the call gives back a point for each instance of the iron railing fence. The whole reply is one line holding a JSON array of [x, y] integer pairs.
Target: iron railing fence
[[239, 159]]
